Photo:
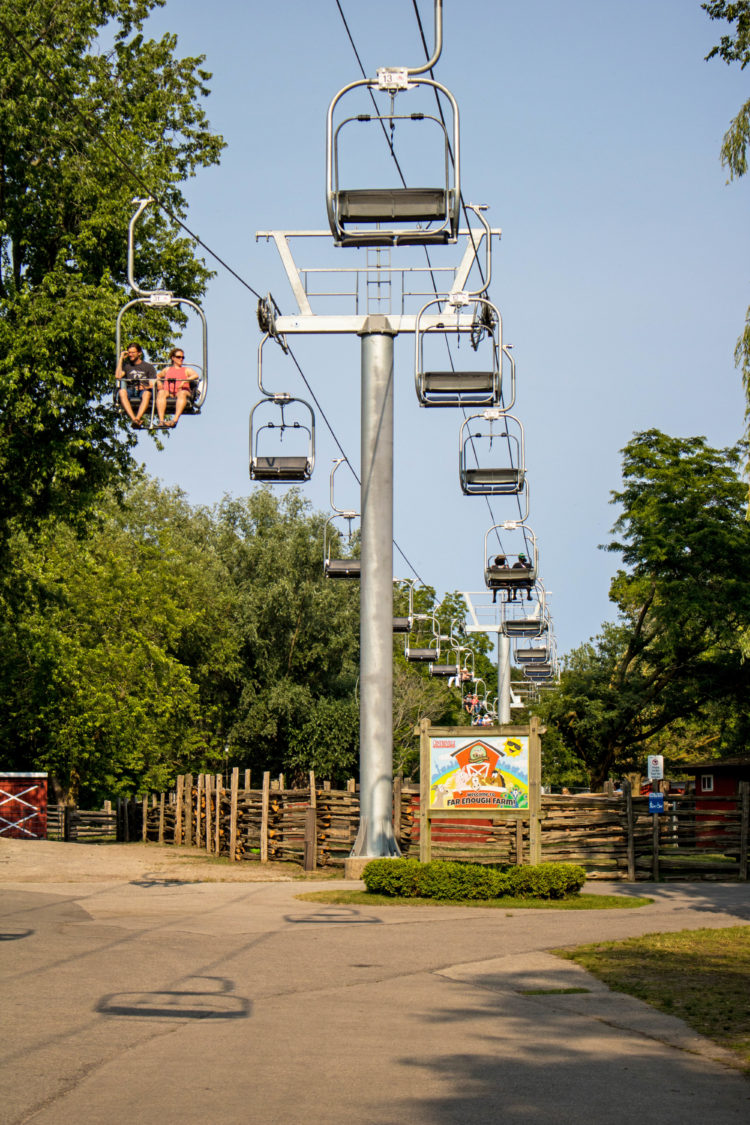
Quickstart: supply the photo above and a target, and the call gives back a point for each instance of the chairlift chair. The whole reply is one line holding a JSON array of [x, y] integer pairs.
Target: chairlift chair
[[524, 619], [468, 387], [162, 299], [338, 568], [286, 468], [424, 655], [501, 470], [405, 624], [511, 577], [393, 216]]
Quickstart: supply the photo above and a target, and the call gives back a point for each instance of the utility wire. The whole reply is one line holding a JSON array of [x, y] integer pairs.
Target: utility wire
[[466, 217], [135, 176], [132, 174]]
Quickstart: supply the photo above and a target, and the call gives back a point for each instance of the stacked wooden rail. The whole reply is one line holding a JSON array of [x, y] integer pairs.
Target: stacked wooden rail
[[612, 836], [316, 826], [84, 826]]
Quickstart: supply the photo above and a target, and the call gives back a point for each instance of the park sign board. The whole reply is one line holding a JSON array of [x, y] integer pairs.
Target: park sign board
[[656, 803], [655, 767], [479, 772]]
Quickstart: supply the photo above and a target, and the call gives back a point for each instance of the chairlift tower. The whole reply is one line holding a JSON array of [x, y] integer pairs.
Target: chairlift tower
[[453, 313]]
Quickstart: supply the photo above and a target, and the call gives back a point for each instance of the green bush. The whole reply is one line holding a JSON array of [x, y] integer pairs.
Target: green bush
[[396, 877], [454, 881], [548, 880]]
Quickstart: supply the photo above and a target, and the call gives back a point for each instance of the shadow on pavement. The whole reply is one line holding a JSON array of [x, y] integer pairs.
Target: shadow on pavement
[[214, 1002]]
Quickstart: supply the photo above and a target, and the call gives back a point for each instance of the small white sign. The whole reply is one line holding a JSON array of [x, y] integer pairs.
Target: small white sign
[[655, 767]]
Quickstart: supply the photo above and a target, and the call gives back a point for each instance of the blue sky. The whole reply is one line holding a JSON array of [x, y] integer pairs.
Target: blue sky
[[592, 130]]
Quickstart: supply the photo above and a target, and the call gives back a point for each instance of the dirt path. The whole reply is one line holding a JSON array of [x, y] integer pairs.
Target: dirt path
[[49, 861]]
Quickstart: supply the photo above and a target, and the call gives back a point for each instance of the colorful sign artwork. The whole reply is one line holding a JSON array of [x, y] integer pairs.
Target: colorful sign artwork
[[479, 773]]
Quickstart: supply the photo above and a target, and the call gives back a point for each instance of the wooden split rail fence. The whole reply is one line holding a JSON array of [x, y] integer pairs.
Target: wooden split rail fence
[[612, 836]]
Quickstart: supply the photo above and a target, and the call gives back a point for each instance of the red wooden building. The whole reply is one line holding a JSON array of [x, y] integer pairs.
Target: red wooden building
[[719, 778], [717, 790], [23, 806]]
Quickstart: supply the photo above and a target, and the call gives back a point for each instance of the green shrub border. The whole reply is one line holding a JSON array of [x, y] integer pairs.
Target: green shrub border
[[451, 880]]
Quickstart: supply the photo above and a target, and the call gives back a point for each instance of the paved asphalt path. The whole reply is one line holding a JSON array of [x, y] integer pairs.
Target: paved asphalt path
[[155, 1002]]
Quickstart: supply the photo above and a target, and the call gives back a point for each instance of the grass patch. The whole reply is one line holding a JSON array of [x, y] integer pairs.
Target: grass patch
[[701, 976], [575, 902]]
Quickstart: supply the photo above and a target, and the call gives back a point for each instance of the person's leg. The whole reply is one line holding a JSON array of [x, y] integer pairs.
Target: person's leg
[[125, 403], [161, 405], [183, 397], [145, 400]]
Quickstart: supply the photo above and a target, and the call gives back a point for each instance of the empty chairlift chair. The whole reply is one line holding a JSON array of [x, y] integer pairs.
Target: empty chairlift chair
[[267, 461], [390, 216], [405, 624], [426, 654], [333, 567], [523, 618], [476, 385], [491, 458]]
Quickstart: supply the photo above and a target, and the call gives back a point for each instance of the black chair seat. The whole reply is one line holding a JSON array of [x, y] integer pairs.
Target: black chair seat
[[497, 478], [401, 625], [422, 654], [443, 670], [387, 205], [458, 382], [343, 568], [280, 468]]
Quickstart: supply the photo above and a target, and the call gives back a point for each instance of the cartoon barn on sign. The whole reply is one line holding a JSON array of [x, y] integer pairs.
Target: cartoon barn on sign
[[477, 764]]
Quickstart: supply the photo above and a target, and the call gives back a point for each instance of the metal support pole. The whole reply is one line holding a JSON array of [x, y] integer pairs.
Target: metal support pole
[[375, 837], [503, 678]]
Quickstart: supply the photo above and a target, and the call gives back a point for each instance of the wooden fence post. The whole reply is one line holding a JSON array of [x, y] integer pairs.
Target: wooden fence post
[[198, 824], [535, 789], [219, 787], [233, 813], [247, 779], [744, 826], [188, 798], [179, 810], [264, 817], [398, 783], [425, 827], [144, 830], [310, 857], [519, 842], [161, 818], [630, 819], [209, 821], [655, 862]]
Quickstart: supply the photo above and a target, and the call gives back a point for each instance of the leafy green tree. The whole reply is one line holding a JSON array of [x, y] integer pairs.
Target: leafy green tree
[[91, 113], [684, 605], [300, 634], [110, 647], [735, 47]]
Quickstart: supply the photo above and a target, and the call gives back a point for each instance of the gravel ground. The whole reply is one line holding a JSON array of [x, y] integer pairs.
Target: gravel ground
[[49, 861]]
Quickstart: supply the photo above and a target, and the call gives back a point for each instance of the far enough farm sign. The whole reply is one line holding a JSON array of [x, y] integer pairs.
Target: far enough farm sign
[[490, 771]]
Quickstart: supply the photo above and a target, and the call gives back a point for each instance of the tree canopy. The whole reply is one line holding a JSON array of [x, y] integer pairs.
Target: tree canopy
[[676, 654], [735, 47], [91, 113]]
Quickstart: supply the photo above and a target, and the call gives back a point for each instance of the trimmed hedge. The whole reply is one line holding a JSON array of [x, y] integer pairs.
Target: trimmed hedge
[[454, 881]]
